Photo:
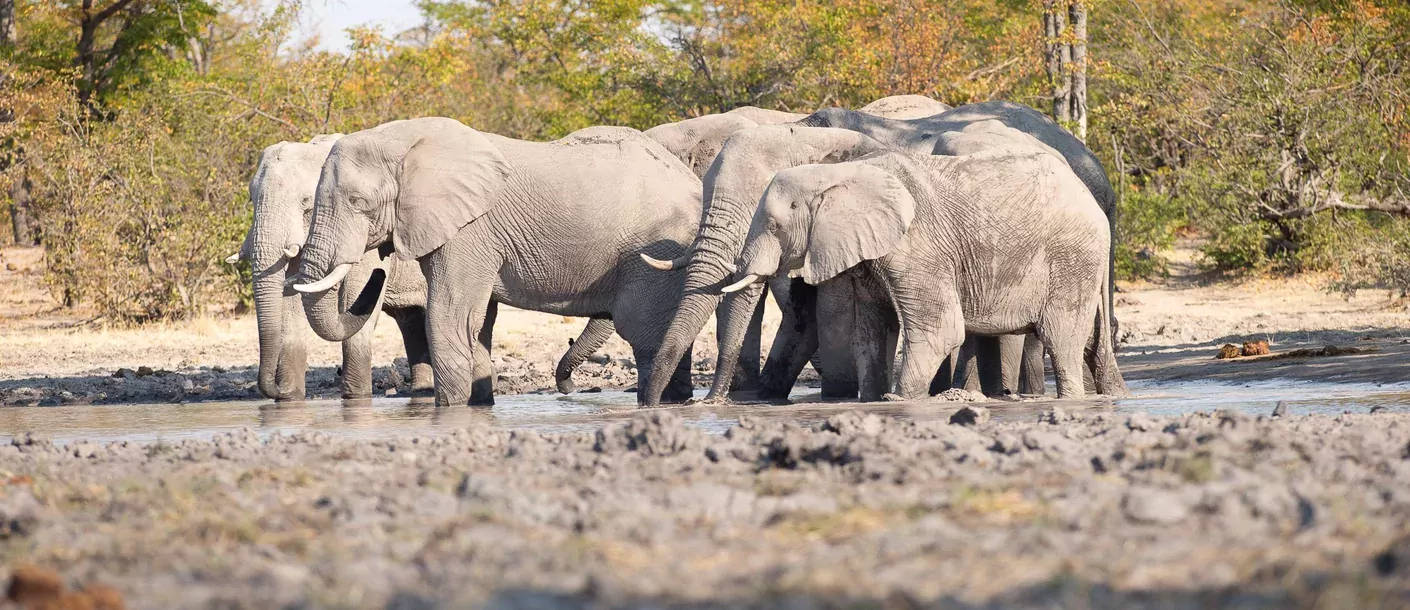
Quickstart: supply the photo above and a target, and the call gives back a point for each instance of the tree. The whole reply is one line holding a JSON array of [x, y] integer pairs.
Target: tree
[[1065, 45]]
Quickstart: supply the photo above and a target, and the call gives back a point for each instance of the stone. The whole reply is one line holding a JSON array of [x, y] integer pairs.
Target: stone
[[1256, 348], [1154, 506], [970, 415]]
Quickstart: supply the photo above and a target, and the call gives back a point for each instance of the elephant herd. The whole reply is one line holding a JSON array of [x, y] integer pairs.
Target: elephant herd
[[912, 247]]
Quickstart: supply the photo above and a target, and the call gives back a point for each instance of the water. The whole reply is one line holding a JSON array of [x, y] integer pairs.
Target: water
[[388, 417]]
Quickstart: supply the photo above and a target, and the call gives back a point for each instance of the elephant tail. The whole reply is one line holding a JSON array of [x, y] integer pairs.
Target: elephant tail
[[596, 333]]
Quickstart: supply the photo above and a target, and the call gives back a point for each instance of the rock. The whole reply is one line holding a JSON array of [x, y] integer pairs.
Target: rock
[[1281, 410], [1379, 409], [32, 586], [655, 433], [1256, 348], [1395, 559], [1155, 506], [854, 423], [188, 385], [1229, 350], [391, 392], [1054, 416], [125, 373], [970, 416], [145, 371]]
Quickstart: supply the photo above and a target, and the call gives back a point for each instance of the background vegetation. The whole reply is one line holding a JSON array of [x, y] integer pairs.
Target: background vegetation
[[1278, 130]]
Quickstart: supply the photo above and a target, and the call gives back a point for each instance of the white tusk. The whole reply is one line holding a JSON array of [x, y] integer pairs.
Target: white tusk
[[741, 284], [233, 258], [675, 263], [328, 281], [291, 251]]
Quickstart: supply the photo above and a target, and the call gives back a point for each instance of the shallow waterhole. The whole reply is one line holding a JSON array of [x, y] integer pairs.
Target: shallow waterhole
[[401, 416]]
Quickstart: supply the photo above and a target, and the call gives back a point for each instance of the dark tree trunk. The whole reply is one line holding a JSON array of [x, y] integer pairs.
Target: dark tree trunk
[[1059, 56], [8, 31], [1077, 14], [21, 221]]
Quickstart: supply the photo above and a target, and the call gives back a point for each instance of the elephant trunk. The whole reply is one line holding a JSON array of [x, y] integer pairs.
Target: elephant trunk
[[340, 312], [282, 357], [731, 325]]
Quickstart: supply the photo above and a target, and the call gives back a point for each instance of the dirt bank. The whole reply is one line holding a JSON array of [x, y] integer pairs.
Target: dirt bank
[[1208, 510]]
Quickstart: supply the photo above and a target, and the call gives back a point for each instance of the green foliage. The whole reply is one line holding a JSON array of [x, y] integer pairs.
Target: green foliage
[[1279, 131]]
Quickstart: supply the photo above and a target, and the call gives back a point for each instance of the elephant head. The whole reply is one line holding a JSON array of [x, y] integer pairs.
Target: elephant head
[[404, 187], [696, 141], [905, 107], [817, 221], [282, 192], [732, 188]]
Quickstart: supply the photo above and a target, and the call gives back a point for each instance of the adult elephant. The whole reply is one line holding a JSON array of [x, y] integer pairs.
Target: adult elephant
[[282, 192], [1004, 240], [905, 107], [726, 220], [546, 226]]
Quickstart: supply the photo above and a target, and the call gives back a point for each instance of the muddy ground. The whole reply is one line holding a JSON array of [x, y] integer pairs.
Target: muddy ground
[[1072, 511], [1088, 510]]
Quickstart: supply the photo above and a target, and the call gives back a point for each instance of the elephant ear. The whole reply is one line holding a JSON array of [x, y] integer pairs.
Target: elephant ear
[[860, 217], [447, 181]]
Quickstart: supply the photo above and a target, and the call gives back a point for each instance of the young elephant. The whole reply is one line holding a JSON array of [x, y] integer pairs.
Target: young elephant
[[552, 227], [991, 243], [282, 191]]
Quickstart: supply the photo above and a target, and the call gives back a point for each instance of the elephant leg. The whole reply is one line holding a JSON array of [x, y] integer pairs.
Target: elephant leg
[[1066, 336], [989, 360], [454, 319], [1011, 359], [1031, 375], [679, 389], [965, 368], [932, 326], [1101, 359], [836, 312], [945, 377], [357, 362], [596, 333], [796, 341], [412, 323], [874, 338], [482, 391]]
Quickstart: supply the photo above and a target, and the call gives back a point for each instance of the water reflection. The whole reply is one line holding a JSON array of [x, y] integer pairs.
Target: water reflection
[[389, 417]]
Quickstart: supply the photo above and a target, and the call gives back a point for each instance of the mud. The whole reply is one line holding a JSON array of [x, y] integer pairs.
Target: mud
[[1088, 509]]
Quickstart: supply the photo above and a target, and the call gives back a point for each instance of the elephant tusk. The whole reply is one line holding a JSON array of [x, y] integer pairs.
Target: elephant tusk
[[328, 281], [742, 284], [232, 259], [291, 251], [675, 263]]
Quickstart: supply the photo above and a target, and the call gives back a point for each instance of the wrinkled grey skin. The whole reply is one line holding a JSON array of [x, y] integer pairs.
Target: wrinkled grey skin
[[282, 191], [732, 188], [904, 107], [991, 243], [726, 221], [553, 227], [923, 136]]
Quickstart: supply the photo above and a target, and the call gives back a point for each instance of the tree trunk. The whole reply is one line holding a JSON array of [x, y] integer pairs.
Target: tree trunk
[[1059, 55], [1078, 18], [20, 221], [8, 31]]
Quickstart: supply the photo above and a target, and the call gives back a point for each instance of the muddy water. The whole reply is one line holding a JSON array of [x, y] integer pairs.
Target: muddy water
[[389, 417]]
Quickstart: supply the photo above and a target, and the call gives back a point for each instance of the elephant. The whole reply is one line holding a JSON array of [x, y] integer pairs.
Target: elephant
[[740, 172], [1006, 240], [545, 226], [282, 192], [904, 107]]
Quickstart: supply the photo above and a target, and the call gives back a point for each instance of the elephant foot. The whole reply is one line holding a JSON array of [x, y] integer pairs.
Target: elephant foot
[[892, 398], [710, 401], [840, 391]]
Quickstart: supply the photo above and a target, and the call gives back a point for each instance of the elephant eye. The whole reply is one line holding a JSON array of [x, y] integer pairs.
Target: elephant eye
[[793, 206]]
